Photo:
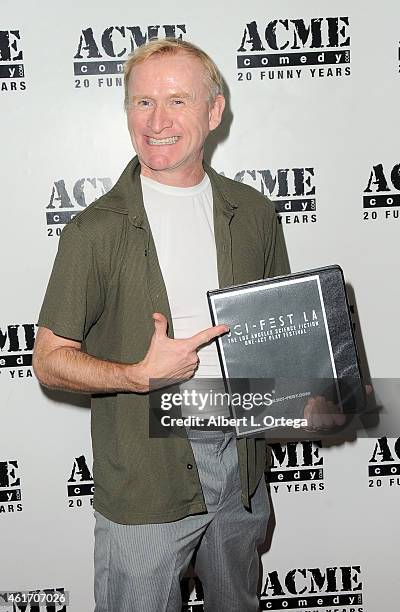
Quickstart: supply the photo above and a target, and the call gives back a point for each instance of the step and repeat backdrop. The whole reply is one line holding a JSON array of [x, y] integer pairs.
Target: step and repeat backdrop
[[312, 122]]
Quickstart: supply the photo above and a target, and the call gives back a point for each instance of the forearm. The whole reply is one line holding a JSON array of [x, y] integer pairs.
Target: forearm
[[71, 369], [60, 363]]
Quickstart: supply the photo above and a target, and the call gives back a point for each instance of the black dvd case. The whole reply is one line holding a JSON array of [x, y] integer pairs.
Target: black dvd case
[[291, 337]]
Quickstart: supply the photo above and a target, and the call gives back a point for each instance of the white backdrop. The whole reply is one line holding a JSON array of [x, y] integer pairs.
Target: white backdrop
[[330, 129]]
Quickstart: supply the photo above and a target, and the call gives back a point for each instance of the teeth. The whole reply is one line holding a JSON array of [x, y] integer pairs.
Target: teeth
[[172, 140]]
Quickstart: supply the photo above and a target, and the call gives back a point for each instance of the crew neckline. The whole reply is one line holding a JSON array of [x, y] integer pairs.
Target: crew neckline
[[176, 191]]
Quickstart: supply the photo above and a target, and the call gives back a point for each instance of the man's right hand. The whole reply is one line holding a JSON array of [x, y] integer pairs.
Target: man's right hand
[[60, 363], [172, 360]]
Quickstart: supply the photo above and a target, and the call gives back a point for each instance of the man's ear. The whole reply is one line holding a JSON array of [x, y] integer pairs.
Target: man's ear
[[215, 112]]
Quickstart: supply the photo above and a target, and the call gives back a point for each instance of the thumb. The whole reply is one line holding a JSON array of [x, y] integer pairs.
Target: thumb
[[160, 324]]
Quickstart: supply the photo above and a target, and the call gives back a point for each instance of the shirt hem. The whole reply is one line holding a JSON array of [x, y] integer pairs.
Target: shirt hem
[[145, 518], [59, 330]]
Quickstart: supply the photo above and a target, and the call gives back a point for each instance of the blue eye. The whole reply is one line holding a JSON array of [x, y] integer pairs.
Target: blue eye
[[143, 103]]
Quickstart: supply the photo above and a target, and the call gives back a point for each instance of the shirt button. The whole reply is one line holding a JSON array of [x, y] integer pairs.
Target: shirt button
[[189, 466]]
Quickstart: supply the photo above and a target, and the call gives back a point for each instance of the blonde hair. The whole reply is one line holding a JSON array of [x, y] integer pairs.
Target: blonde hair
[[173, 46]]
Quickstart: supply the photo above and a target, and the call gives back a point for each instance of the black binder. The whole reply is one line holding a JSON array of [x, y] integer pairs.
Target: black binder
[[292, 337]]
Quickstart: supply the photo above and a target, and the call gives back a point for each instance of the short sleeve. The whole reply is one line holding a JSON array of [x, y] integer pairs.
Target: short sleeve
[[73, 299]]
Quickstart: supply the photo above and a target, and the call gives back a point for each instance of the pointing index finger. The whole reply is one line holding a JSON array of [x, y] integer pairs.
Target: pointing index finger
[[206, 335]]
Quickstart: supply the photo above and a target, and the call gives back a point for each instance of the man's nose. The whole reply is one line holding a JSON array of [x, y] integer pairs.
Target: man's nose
[[159, 119]]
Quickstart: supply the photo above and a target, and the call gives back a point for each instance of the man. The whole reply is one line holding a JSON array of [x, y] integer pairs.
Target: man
[[124, 305]]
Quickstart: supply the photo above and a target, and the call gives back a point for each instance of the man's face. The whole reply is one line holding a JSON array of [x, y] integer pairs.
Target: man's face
[[170, 116]]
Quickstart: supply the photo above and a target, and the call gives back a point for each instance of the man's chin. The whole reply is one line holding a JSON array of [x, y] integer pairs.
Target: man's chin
[[157, 163]]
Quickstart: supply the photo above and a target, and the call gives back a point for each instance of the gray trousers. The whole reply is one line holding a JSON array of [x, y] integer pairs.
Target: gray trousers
[[138, 567]]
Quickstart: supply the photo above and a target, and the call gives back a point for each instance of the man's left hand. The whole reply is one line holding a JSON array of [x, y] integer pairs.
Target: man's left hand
[[322, 414]]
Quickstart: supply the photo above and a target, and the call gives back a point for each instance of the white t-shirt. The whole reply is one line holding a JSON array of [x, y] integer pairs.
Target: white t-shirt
[[181, 221], [182, 224]]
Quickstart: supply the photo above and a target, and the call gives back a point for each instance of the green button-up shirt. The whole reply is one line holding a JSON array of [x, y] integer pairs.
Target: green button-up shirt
[[105, 284]]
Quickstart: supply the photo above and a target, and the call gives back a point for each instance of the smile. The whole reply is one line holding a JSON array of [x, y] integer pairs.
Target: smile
[[163, 141]]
